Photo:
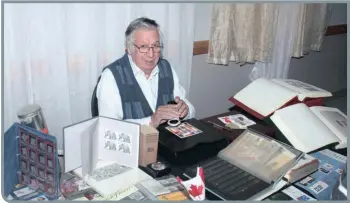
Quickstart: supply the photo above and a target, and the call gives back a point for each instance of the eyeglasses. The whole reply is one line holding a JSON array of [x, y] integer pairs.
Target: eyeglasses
[[145, 49]]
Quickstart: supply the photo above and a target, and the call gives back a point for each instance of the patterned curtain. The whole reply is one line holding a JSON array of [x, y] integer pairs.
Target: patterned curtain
[[268, 34]]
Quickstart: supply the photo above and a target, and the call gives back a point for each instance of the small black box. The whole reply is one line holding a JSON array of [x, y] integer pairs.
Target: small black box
[[192, 149]]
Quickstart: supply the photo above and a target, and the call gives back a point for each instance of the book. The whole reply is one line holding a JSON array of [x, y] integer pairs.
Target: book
[[321, 183], [104, 152], [305, 166], [302, 126], [263, 96]]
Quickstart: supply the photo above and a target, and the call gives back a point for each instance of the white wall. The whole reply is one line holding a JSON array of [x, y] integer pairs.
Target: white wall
[[202, 21], [212, 85], [338, 15]]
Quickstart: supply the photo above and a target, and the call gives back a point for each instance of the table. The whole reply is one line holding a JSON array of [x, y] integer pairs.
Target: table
[[260, 126], [213, 121]]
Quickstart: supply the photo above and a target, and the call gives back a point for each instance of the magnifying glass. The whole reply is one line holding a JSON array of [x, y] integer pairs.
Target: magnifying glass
[[174, 122]]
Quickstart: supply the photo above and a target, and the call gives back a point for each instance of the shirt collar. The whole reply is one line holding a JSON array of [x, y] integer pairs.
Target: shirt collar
[[136, 70]]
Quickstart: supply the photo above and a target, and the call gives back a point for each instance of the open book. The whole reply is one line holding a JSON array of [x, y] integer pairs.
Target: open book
[[311, 128], [262, 97], [104, 152]]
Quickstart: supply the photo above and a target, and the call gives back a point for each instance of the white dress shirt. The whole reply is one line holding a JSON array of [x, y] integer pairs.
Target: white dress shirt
[[109, 101]]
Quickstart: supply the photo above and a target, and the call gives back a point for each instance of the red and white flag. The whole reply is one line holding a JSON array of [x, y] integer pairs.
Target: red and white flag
[[195, 186]]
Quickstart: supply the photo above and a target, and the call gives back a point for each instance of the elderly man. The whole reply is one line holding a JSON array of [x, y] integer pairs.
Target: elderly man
[[139, 86]]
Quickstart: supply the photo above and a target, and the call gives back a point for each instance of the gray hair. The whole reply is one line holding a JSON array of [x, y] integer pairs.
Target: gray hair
[[138, 24]]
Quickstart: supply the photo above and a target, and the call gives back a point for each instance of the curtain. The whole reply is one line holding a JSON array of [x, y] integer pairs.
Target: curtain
[[267, 34], [242, 32], [54, 53]]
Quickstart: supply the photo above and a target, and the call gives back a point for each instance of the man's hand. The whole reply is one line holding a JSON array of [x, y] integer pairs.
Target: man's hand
[[182, 107], [164, 113]]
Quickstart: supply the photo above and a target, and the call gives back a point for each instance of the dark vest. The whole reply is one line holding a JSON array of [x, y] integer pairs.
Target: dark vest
[[134, 102]]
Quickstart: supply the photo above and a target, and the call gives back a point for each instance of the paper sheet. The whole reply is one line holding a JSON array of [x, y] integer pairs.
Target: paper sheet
[[118, 141], [72, 149], [88, 149]]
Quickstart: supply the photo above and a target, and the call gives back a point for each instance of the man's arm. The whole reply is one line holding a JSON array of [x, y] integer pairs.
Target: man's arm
[[109, 101], [180, 92]]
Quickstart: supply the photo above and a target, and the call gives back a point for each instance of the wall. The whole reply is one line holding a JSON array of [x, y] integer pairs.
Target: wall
[[212, 85]]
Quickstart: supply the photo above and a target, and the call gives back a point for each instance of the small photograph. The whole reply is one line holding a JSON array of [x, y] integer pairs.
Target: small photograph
[[32, 141], [33, 170], [137, 196], [49, 163], [192, 128], [307, 181], [41, 159], [110, 145], [242, 121], [172, 180], [50, 177], [32, 155], [24, 137], [19, 185], [327, 166], [163, 182], [34, 182], [175, 131], [25, 178], [303, 198], [110, 135], [24, 151], [24, 191], [324, 170], [41, 186], [40, 198], [49, 148], [123, 137], [24, 165], [124, 147], [340, 171], [41, 173], [42, 145], [50, 190], [318, 187]]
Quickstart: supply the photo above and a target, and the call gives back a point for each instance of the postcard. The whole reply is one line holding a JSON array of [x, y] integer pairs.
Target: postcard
[[184, 130]]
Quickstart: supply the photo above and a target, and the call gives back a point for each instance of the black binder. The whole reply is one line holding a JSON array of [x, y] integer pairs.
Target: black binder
[[251, 165], [190, 150]]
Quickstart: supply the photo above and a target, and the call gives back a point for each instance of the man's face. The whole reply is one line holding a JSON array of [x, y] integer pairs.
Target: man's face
[[147, 38]]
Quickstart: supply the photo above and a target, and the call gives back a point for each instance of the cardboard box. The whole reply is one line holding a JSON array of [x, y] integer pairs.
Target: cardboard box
[[149, 137]]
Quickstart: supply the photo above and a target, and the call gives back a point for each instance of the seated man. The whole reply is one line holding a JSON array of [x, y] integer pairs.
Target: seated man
[[139, 86]]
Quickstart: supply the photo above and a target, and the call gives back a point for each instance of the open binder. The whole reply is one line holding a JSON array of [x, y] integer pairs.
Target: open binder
[[262, 97], [312, 128], [104, 152], [252, 164], [30, 156]]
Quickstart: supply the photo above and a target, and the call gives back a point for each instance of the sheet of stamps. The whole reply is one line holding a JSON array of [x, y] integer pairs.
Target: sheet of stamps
[[184, 130], [237, 121]]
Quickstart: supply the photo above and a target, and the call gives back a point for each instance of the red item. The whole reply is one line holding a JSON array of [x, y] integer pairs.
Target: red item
[[196, 190], [307, 101]]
